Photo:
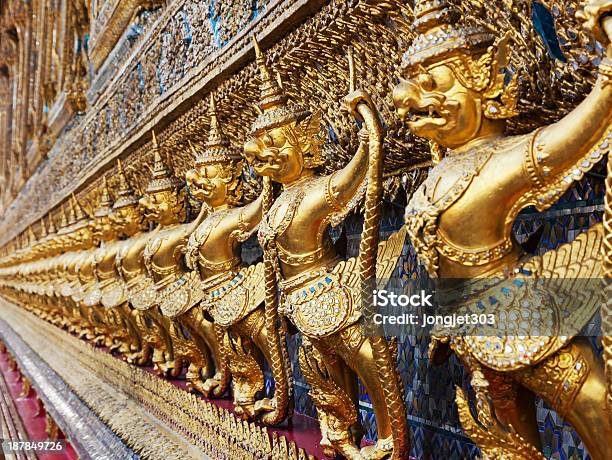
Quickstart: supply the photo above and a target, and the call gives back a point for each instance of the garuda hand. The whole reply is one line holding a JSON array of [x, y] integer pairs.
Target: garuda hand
[[597, 18]]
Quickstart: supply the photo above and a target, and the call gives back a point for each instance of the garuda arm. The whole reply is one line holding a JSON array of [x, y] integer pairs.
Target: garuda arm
[[561, 153], [346, 183], [250, 215]]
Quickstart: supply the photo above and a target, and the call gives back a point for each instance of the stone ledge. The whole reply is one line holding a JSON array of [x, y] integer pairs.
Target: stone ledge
[[90, 437], [66, 389], [155, 418]]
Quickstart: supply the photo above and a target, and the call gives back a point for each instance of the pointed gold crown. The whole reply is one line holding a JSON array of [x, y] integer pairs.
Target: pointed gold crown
[[105, 204], [440, 36], [31, 236], [125, 195], [63, 220], [81, 218], [276, 109], [78, 210], [217, 147], [161, 178]]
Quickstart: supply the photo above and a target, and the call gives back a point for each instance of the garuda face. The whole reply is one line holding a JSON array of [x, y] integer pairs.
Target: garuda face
[[285, 152], [439, 106], [165, 207], [458, 94], [215, 184], [103, 228], [82, 237], [128, 220], [271, 154]]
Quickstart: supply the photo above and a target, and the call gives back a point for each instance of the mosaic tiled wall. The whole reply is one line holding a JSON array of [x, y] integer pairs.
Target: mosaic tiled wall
[[158, 56]]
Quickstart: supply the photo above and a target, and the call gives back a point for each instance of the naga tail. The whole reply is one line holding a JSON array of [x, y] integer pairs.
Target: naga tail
[[274, 328], [606, 310], [368, 249]]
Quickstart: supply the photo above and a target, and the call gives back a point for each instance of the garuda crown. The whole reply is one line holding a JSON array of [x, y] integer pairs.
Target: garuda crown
[[477, 59], [440, 37], [162, 178], [51, 230], [276, 109], [105, 204], [63, 226], [125, 195], [78, 219], [217, 148]]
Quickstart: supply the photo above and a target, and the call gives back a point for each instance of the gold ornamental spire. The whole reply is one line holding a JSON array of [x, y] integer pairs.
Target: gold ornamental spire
[[215, 136], [105, 204], [161, 177], [78, 210], [31, 236], [217, 147], [125, 194], [43, 228], [273, 102], [272, 94], [71, 213], [63, 219], [51, 230]]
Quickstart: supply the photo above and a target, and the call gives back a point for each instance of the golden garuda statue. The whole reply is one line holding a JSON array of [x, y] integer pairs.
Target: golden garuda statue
[[163, 203], [76, 237], [104, 234], [134, 292], [50, 270], [232, 293], [128, 221], [459, 94], [198, 350], [319, 293]]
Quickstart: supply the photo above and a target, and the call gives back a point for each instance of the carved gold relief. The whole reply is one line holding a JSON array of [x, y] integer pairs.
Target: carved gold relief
[[456, 96]]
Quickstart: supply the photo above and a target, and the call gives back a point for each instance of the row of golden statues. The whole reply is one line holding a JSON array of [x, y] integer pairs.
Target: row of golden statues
[[180, 296]]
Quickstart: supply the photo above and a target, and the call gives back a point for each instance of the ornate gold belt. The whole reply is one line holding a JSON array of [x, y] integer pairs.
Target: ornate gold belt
[[476, 257], [287, 286], [219, 266]]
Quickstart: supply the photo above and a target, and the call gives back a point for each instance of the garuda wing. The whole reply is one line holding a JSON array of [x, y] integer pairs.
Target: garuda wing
[[537, 309], [389, 252]]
